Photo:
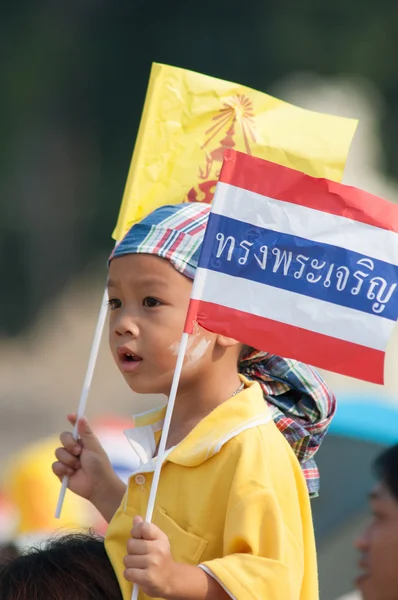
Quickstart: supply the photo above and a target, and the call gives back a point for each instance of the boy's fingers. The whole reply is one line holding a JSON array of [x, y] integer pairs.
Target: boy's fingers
[[67, 458], [88, 437], [133, 561], [61, 470], [72, 417], [69, 443], [137, 576], [139, 547], [137, 525], [145, 531]]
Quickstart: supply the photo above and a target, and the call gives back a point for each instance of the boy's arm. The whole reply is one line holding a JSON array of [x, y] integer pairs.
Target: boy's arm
[[193, 583], [263, 557], [108, 496]]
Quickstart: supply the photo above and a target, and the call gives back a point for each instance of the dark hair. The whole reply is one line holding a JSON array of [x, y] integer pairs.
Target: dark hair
[[386, 468], [71, 567], [8, 551]]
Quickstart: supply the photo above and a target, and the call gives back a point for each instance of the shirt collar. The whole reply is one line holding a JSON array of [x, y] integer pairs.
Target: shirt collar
[[244, 411]]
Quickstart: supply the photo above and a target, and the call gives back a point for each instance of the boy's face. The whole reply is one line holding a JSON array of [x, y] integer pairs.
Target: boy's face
[[148, 302], [378, 546]]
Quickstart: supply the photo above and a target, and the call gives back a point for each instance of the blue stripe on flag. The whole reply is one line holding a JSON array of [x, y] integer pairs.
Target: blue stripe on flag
[[296, 264]]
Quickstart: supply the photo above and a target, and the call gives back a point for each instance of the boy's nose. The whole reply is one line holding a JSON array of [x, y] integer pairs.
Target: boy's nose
[[126, 326]]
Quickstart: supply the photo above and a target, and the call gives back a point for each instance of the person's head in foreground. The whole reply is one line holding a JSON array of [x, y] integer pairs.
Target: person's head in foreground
[[8, 551], [150, 282], [71, 567], [378, 544]]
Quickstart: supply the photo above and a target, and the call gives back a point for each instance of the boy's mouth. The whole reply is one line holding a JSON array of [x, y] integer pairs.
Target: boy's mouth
[[129, 360]]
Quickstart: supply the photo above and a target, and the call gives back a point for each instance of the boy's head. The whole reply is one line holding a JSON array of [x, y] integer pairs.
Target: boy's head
[[150, 281]]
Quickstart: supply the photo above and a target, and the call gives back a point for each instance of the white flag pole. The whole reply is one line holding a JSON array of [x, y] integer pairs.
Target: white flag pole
[[86, 388], [163, 439]]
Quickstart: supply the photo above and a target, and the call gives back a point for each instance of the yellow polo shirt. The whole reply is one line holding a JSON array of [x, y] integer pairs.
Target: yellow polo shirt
[[232, 499]]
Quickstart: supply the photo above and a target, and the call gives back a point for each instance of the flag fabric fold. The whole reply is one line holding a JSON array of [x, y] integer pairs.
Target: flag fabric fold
[[188, 122], [301, 267]]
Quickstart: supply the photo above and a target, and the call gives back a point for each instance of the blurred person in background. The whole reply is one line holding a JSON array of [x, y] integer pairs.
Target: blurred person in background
[[378, 544], [72, 567]]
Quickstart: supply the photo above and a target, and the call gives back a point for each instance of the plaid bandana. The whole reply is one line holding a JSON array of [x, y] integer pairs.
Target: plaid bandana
[[301, 403]]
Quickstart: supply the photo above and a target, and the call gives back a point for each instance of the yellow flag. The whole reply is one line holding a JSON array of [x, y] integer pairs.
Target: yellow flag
[[189, 119]]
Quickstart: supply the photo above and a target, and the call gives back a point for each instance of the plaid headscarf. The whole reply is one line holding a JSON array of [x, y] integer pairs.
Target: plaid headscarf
[[301, 403]]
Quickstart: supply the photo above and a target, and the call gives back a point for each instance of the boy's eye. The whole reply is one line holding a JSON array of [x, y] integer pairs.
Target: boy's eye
[[151, 302], [114, 303]]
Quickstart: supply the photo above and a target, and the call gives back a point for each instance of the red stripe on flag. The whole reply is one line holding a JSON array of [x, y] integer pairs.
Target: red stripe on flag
[[281, 183], [288, 341]]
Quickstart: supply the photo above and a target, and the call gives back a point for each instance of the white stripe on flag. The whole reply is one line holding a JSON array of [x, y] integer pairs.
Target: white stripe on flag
[[315, 225], [294, 309]]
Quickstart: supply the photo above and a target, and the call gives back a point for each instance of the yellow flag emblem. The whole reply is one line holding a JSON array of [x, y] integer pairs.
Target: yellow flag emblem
[[190, 119]]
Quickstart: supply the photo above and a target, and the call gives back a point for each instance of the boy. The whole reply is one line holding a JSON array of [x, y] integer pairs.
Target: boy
[[232, 517]]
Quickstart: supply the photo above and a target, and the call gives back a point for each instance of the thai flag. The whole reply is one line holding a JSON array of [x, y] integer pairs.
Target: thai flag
[[301, 267]]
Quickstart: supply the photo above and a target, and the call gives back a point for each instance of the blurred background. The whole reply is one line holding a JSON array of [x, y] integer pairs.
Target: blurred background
[[73, 81]]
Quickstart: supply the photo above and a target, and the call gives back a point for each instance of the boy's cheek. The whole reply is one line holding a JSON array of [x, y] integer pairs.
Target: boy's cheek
[[198, 346], [198, 350]]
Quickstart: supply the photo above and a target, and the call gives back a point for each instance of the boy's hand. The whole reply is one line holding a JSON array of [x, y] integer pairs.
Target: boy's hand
[[149, 563], [89, 469]]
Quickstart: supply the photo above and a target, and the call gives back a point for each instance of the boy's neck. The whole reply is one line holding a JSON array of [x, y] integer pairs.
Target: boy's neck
[[192, 406]]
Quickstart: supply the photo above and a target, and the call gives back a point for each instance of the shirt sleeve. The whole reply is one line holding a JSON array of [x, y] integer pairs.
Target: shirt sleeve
[[262, 558]]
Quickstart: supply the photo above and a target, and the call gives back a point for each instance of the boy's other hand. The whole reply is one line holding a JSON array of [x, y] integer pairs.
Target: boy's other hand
[[149, 563]]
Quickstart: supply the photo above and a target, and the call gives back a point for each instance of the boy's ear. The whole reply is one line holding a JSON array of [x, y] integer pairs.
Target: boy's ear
[[226, 342]]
